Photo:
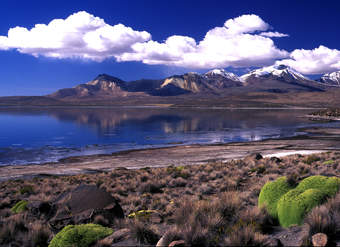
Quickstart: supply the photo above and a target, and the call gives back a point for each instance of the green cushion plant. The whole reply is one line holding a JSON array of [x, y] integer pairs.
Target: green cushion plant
[[290, 205], [328, 185], [19, 207], [293, 205], [80, 235], [270, 194]]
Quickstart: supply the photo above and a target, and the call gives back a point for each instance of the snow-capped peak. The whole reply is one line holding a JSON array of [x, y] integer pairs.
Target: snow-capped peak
[[275, 70], [223, 73], [331, 78]]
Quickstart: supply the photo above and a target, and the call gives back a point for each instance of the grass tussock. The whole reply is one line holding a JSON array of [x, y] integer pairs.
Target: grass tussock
[[325, 218]]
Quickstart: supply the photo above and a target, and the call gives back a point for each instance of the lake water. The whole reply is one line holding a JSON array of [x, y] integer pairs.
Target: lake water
[[38, 135]]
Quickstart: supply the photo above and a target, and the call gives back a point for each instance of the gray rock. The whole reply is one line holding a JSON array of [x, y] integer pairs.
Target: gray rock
[[319, 239], [82, 204], [161, 242], [118, 236], [178, 243]]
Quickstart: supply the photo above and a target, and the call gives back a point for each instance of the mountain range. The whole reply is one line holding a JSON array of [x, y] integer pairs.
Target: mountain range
[[272, 86], [275, 79]]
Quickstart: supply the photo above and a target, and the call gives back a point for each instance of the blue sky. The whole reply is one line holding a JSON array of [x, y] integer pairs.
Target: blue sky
[[202, 38]]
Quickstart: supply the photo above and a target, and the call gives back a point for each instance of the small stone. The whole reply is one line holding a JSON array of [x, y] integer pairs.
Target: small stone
[[178, 243], [275, 242], [161, 242], [275, 159], [255, 156], [118, 236], [319, 239]]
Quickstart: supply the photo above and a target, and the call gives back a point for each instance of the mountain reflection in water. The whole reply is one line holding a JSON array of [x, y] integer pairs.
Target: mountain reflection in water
[[38, 135]]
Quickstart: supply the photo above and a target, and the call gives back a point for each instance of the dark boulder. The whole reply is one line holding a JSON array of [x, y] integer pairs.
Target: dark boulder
[[41, 209], [84, 203]]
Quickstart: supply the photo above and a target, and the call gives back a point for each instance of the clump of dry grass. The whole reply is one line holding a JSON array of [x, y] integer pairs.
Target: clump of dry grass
[[144, 233], [202, 223], [245, 235], [150, 187], [14, 227], [100, 220], [39, 235], [325, 218]]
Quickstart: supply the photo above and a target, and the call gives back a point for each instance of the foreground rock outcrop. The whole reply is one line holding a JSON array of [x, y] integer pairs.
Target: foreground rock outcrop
[[84, 203]]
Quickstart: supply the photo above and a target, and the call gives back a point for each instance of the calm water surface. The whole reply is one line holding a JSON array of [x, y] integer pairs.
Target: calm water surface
[[40, 135]]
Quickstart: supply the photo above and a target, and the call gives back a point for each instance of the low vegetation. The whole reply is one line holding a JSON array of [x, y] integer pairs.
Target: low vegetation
[[215, 204], [290, 205], [80, 235], [19, 207]]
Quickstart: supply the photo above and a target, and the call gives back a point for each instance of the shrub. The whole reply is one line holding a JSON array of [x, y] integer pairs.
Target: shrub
[[143, 214], [270, 194], [328, 162], [80, 235], [19, 207], [291, 205], [311, 159], [178, 171], [312, 191], [294, 204], [40, 235], [320, 220], [258, 169], [150, 188], [10, 230], [245, 235], [100, 220], [26, 189], [328, 185], [144, 233], [326, 218]]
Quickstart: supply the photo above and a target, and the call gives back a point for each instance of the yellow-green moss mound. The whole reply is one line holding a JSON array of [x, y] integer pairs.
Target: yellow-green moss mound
[[271, 193], [290, 205], [293, 206], [19, 207], [80, 235]]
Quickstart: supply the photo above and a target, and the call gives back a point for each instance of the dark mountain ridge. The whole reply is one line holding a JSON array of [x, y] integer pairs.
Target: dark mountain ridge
[[273, 86], [275, 79]]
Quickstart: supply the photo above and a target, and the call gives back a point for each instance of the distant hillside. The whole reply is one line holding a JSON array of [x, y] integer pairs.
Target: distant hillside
[[278, 79], [273, 86]]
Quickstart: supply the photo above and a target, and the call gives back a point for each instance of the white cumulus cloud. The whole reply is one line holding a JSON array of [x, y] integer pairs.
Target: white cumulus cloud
[[84, 36], [245, 24], [80, 35], [274, 34], [244, 41], [317, 61], [234, 44]]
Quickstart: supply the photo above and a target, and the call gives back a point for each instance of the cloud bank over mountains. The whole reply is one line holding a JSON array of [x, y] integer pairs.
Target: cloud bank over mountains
[[244, 41]]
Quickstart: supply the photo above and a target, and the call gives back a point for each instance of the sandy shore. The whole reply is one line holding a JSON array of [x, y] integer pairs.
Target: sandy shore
[[317, 140]]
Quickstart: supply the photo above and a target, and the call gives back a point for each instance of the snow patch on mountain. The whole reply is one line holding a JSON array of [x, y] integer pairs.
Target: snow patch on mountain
[[275, 70], [331, 78], [223, 73]]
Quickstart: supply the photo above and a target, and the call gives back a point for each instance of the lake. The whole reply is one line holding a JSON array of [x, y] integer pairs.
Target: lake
[[39, 135]]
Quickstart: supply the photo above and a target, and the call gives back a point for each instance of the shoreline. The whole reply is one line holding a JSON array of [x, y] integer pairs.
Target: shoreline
[[317, 140], [322, 118], [163, 106]]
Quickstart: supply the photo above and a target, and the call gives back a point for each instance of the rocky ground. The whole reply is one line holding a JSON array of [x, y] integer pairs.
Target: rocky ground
[[212, 204]]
